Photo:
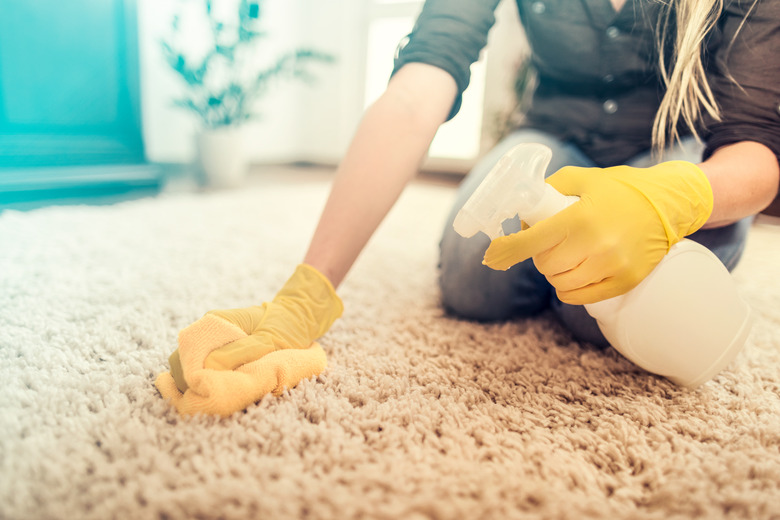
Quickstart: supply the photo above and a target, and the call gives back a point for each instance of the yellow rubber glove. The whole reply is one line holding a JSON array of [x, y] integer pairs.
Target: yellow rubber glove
[[231, 358], [607, 242]]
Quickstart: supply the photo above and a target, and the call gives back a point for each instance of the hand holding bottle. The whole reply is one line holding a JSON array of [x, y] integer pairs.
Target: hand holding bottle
[[611, 239]]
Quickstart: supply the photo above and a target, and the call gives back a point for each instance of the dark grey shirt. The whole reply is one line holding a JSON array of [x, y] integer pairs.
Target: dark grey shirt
[[598, 81]]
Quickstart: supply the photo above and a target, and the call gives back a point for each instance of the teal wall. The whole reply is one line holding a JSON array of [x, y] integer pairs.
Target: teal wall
[[69, 95]]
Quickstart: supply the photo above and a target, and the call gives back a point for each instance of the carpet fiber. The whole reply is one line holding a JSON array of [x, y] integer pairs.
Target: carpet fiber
[[417, 416]]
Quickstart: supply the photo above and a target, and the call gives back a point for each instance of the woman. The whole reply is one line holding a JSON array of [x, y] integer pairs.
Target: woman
[[620, 85]]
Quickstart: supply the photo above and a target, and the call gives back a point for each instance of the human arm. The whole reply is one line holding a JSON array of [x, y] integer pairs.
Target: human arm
[[432, 68], [385, 154], [235, 346], [431, 71], [744, 177], [743, 143]]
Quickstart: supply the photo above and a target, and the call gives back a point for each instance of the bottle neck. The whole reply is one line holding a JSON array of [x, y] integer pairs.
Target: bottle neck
[[551, 203]]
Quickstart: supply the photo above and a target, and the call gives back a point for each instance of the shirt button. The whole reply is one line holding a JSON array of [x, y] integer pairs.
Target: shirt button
[[612, 32], [608, 78], [610, 106], [538, 7]]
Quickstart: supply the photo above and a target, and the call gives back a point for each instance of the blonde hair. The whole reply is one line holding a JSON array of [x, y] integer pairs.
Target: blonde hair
[[687, 89]]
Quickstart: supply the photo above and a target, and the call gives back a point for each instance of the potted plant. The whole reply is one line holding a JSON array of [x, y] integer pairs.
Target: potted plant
[[224, 85]]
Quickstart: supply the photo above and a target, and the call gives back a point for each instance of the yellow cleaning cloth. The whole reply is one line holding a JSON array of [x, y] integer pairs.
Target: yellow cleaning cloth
[[231, 358], [224, 392]]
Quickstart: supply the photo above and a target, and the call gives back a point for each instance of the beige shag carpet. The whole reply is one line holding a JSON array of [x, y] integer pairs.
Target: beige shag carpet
[[419, 416]]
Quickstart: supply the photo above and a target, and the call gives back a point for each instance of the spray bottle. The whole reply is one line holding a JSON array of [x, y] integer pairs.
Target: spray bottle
[[685, 321]]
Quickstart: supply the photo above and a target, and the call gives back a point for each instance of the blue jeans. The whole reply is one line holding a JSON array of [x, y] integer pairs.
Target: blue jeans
[[471, 290]]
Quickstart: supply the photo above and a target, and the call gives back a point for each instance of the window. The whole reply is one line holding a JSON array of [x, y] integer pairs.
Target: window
[[316, 124], [389, 21]]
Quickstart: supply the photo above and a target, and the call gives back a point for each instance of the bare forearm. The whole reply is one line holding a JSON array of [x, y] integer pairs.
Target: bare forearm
[[384, 155], [744, 179], [382, 158]]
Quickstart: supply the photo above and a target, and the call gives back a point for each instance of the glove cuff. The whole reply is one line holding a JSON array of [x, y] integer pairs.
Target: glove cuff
[[325, 291], [691, 181], [321, 300]]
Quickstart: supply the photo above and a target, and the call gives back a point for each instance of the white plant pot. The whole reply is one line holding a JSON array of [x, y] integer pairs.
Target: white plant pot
[[222, 157]]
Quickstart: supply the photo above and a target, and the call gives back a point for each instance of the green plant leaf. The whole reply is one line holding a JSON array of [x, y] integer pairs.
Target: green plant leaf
[[171, 56], [233, 103], [243, 12], [246, 35], [190, 105], [228, 51], [311, 54]]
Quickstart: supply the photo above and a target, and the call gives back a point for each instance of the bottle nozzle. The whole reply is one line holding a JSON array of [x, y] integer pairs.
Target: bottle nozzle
[[514, 185]]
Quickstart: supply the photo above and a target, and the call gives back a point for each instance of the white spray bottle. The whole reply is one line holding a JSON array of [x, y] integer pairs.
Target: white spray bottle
[[685, 321]]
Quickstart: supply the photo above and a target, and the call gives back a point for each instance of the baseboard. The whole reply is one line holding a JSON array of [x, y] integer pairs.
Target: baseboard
[[30, 187]]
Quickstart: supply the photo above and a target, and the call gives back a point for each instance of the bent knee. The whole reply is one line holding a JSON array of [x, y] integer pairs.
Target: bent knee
[[489, 295], [466, 306]]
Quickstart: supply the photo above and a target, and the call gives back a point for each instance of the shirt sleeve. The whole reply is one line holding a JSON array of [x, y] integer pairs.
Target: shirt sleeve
[[744, 75], [449, 34]]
